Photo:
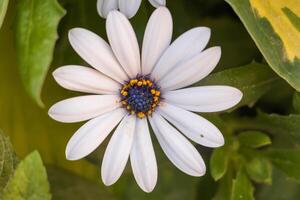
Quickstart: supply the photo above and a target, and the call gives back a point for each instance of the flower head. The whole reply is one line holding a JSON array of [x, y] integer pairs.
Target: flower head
[[128, 7], [130, 89]]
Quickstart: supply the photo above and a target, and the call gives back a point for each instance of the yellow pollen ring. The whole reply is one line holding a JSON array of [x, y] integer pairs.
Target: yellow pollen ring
[[139, 82]]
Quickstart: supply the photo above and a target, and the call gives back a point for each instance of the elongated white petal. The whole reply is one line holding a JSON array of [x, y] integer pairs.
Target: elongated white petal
[[157, 38], [117, 151], [142, 157], [123, 42], [105, 6], [205, 98], [95, 51], [129, 7], [92, 134], [193, 126], [85, 79], [192, 70], [82, 108], [177, 148], [186, 46], [157, 3]]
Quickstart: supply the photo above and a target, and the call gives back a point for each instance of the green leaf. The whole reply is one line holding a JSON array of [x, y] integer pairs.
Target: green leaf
[[29, 180], [259, 170], [253, 85], [284, 128], [3, 8], [282, 188], [224, 191], [36, 24], [254, 139], [296, 102], [8, 160], [219, 162], [287, 160], [242, 188], [264, 21]]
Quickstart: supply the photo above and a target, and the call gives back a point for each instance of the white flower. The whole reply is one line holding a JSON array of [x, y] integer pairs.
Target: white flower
[[128, 7], [129, 89]]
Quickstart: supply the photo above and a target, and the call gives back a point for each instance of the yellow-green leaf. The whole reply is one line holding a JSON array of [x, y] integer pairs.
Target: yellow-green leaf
[[296, 102], [287, 160], [36, 33], [242, 188], [259, 170], [254, 139], [275, 27], [29, 180], [219, 162], [224, 188], [3, 8], [8, 160]]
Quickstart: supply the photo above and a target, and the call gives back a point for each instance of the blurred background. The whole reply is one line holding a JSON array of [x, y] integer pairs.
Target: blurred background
[[30, 128]]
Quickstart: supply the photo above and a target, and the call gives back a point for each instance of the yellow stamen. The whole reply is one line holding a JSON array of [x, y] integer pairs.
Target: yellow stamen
[[149, 83], [124, 93], [140, 83], [141, 114], [133, 81], [157, 93], [153, 91]]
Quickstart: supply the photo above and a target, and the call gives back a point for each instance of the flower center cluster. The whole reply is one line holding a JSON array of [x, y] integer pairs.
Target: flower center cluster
[[140, 96]]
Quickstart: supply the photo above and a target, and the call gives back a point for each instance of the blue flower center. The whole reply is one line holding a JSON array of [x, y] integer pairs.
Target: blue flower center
[[140, 96]]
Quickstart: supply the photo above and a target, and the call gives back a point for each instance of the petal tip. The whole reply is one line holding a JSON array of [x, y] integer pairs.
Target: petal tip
[[56, 74], [69, 156], [220, 142], [240, 95], [107, 181], [148, 189], [51, 112]]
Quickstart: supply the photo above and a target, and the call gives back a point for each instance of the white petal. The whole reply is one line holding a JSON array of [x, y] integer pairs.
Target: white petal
[[192, 70], [92, 134], [186, 46], [123, 42], [157, 3], [192, 125], [85, 79], [142, 157], [177, 148], [129, 7], [82, 108], [105, 6], [205, 98], [157, 38], [117, 151], [95, 51]]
